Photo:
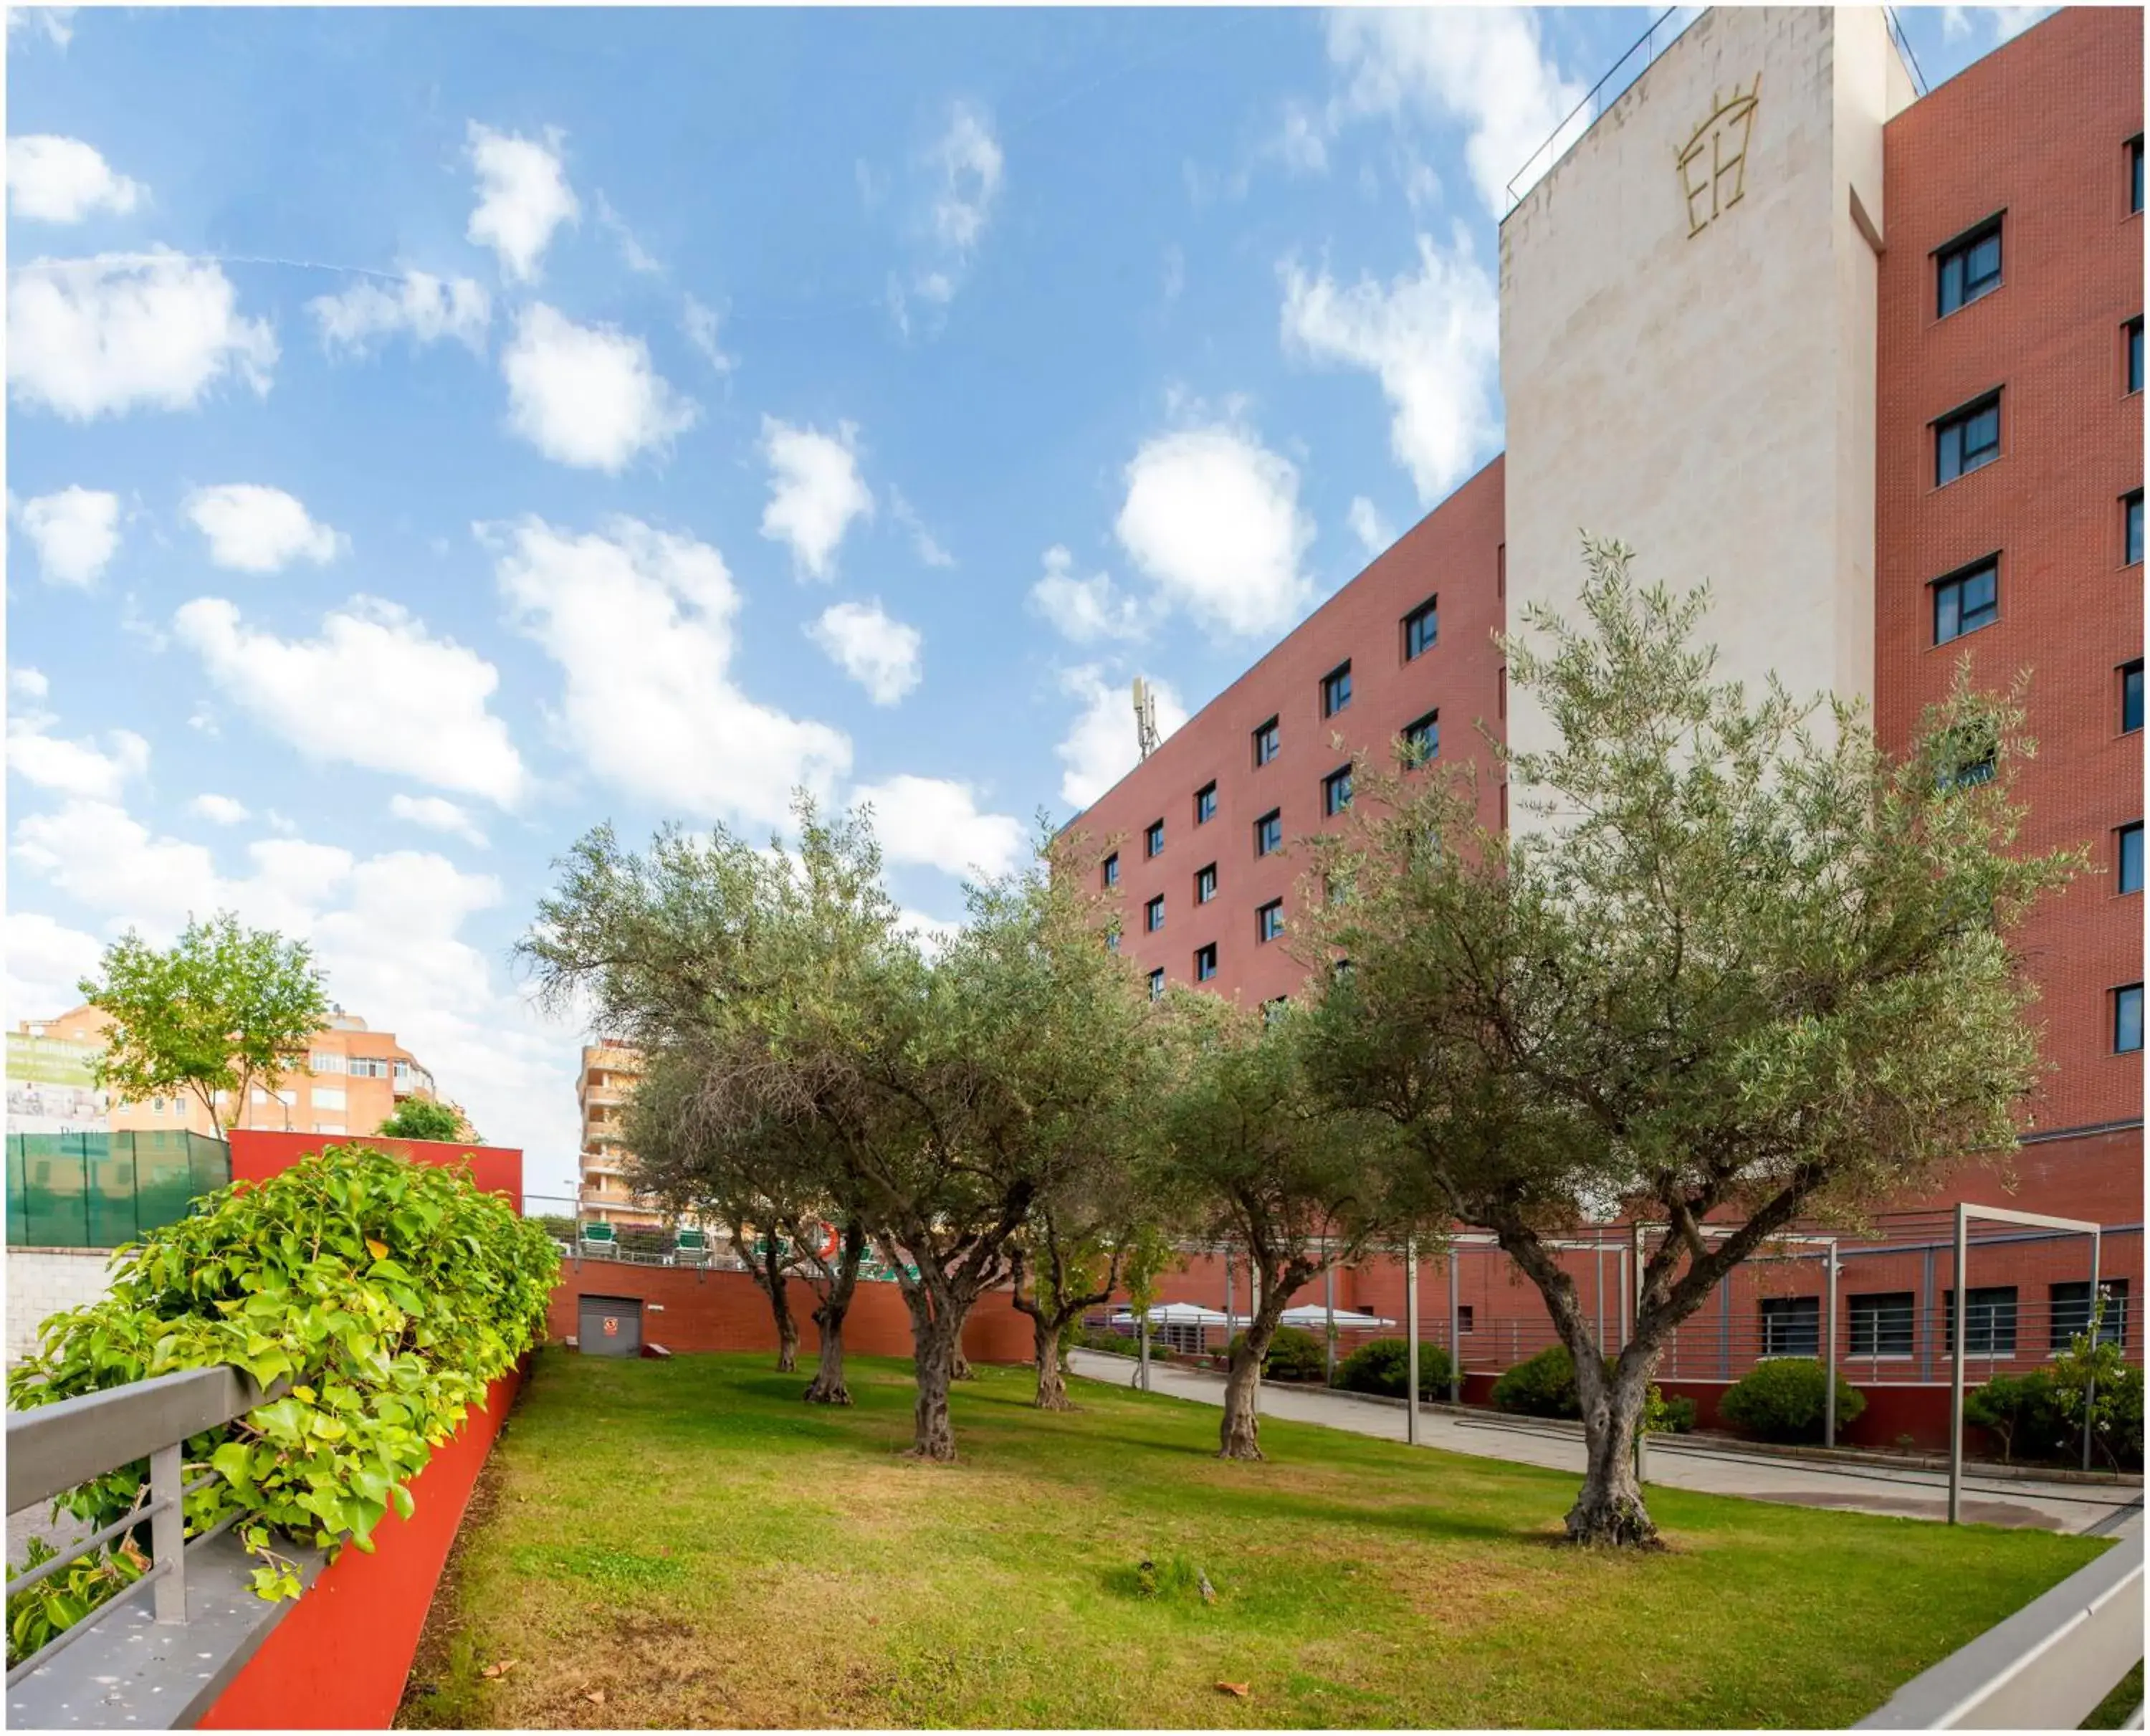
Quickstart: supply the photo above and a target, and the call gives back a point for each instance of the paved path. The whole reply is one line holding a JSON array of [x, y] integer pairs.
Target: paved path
[[2116, 1511]]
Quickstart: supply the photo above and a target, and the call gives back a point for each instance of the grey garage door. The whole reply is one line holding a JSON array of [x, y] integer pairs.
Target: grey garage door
[[611, 1326]]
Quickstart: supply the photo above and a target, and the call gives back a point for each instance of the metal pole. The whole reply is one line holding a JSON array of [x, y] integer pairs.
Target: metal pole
[[1724, 1327], [1956, 1367], [168, 1531], [1597, 1260], [1142, 1358], [1635, 1253], [1253, 1308], [1228, 1296], [1626, 1296], [2097, 1330], [1828, 1393], [1329, 1303], [1410, 1342], [1454, 1330]]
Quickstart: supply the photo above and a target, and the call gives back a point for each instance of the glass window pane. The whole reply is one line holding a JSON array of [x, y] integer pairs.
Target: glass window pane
[[2131, 858], [2128, 1020]]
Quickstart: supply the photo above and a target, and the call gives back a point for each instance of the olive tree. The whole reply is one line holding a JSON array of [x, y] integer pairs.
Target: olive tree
[[1751, 968], [1263, 1162]]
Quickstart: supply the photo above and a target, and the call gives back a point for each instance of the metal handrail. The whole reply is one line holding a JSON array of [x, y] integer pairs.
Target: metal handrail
[[2047, 1667], [1530, 173], [56, 1447]]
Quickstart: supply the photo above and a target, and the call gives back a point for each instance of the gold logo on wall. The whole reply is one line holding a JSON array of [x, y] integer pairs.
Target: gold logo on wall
[[1713, 165]]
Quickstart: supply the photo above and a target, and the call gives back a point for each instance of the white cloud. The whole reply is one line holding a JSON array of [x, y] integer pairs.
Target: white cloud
[[46, 960], [100, 336], [1100, 747], [386, 931], [425, 307], [1483, 69], [1431, 338], [56, 22], [587, 394], [814, 492], [437, 813], [218, 810], [75, 532], [641, 623], [1213, 516], [53, 180], [931, 932], [923, 542], [961, 173], [935, 823], [2009, 22], [1298, 144], [881, 654], [699, 323], [523, 196], [375, 689], [633, 254], [1368, 525], [72, 768], [1084, 610], [252, 528]]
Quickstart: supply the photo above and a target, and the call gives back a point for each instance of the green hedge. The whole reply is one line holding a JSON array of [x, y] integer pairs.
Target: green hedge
[[1544, 1385], [1784, 1400], [1294, 1354], [391, 1294], [1382, 1365]]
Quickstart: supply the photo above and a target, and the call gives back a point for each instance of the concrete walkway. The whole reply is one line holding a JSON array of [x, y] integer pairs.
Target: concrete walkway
[[1708, 1467]]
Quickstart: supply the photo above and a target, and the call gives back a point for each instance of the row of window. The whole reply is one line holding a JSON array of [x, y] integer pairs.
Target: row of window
[[358, 1066], [1268, 920], [1969, 598], [1885, 1322], [1422, 737]]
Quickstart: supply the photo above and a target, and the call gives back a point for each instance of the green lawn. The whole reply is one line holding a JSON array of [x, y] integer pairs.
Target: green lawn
[[689, 1541]]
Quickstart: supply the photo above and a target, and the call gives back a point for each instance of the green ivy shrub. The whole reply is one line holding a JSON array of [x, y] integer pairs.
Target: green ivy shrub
[[1544, 1385], [388, 1294], [1669, 1416], [1294, 1354], [1382, 1365], [1783, 1399], [2021, 1411]]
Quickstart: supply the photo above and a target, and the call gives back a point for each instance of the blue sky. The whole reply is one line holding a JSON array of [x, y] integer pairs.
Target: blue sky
[[433, 432]]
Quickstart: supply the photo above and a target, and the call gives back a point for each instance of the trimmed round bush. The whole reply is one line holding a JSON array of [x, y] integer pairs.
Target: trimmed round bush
[[1382, 1365], [1783, 1399], [1540, 1385], [1294, 1356]]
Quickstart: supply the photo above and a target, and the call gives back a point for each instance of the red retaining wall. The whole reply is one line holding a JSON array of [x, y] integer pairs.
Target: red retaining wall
[[686, 1308], [338, 1661], [257, 1155]]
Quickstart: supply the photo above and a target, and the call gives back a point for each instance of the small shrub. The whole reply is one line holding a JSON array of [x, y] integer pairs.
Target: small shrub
[[1669, 1416], [1382, 1365], [2021, 1411], [1540, 1385], [1783, 1399], [1293, 1355], [1104, 1339]]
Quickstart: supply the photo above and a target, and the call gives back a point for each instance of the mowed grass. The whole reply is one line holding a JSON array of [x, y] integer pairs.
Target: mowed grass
[[690, 1541]]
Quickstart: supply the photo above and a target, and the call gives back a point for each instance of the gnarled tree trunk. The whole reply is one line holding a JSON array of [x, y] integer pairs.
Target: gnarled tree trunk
[[1610, 1508], [959, 1365], [933, 1435], [1052, 1383], [827, 1386], [768, 1269], [1240, 1434]]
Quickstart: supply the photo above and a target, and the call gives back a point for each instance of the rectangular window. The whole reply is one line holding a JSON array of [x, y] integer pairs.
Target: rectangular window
[[1791, 1326], [288, 1099], [1265, 743], [2134, 330], [1157, 985], [2071, 1312], [1205, 805], [2131, 857], [1205, 963], [1966, 601], [2131, 696], [1273, 1010], [1153, 838], [1337, 690], [1268, 832], [1153, 914], [257, 1095], [322, 1062], [1423, 738], [328, 1127], [1336, 791], [1989, 1328], [2130, 529], [402, 1070], [1969, 267], [1268, 921], [330, 1098], [2127, 1019], [1881, 1324], [1466, 1317], [2135, 174], [1113, 869], [1112, 941], [1422, 629], [1966, 439], [1205, 885]]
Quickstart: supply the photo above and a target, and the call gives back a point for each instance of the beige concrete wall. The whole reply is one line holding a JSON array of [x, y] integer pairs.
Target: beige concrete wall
[[1696, 376], [44, 1281]]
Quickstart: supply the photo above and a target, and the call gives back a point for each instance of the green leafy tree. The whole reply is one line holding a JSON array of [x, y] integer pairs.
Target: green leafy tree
[[420, 1118], [224, 1009], [1750, 968], [386, 1295]]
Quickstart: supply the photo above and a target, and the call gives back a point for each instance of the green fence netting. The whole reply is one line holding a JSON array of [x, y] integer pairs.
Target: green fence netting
[[97, 1190]]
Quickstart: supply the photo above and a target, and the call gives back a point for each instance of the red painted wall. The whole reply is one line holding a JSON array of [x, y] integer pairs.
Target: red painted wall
[[339, 1660], [256, 1155], [707, 1310]]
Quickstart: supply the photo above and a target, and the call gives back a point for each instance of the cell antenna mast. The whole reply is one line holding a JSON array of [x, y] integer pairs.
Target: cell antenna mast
[[1145, 718]]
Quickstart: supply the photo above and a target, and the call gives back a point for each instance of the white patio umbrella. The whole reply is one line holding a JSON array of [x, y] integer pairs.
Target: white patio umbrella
[[1313, 1315], [1180, 1314]]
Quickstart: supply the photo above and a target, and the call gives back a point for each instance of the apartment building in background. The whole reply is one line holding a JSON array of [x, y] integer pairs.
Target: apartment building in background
[[603, 1083], [1868, 361], [351, 1080]]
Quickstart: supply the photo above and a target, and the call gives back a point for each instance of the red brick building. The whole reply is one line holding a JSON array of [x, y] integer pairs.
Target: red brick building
[[1970, 484]]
